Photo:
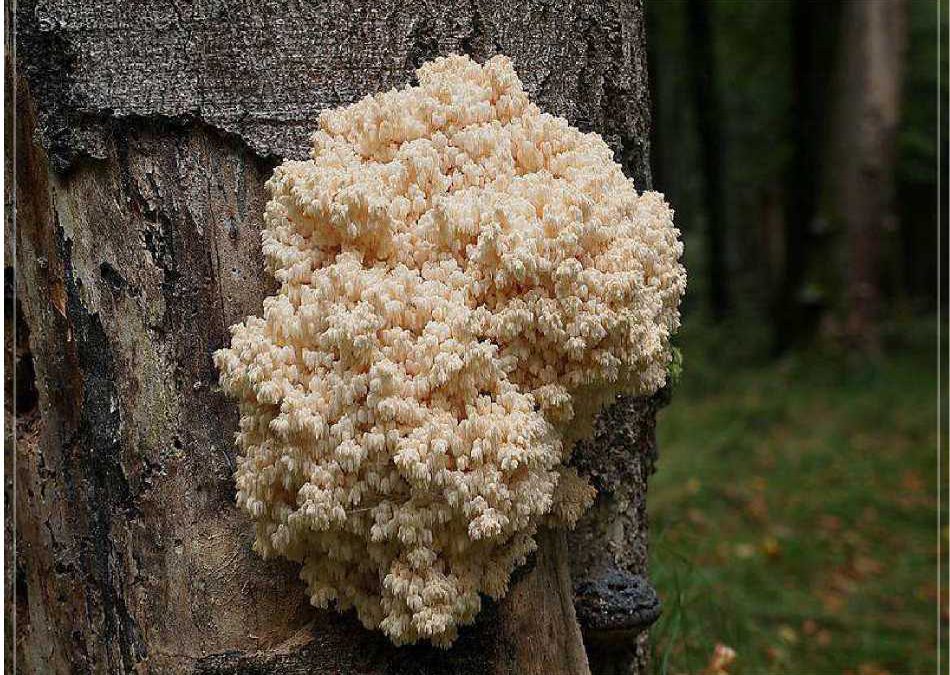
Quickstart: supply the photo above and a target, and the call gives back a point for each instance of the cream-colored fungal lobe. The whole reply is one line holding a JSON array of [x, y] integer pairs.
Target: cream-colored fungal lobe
[[464, 282]]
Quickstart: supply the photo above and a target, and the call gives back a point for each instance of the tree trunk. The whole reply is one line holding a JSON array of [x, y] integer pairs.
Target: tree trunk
[[801, 186], [702, 65], [795, 311], [870, 72], [144, 135]]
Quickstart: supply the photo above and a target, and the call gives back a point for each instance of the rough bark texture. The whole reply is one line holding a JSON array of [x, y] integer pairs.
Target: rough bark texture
[[144, 134], [608, 548]]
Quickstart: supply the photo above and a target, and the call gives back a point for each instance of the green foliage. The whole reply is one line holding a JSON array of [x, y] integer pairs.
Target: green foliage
[[675, 369], [917, 147], [792, 512]]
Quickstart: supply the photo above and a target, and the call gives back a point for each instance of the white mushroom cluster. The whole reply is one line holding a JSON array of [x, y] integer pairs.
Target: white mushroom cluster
[[464, 282]]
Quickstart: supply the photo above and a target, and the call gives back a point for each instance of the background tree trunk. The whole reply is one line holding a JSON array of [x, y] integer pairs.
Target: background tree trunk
[[702, 66], [870, 77], [144, 134], [789, 325]]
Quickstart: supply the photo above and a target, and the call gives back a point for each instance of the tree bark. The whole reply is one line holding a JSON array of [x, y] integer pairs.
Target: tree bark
[[144, 135]]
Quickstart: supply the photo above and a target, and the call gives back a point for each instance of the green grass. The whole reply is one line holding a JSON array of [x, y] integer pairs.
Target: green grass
[[793, 511]]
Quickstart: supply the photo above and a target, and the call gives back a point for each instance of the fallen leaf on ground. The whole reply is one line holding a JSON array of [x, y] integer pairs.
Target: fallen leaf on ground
[[788, 634], [771, 547], [722, 658], [866, 566], [829, 523], [872, 669], [911, 481], [745, 551]]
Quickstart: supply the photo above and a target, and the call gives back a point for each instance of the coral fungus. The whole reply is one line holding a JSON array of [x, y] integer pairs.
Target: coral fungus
[[464, 282]]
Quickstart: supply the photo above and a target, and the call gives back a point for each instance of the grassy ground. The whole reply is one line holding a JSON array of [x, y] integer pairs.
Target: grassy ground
[[794, 511]]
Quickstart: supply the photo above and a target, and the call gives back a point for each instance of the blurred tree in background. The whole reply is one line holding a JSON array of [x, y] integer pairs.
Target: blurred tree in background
[[797, 141]]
